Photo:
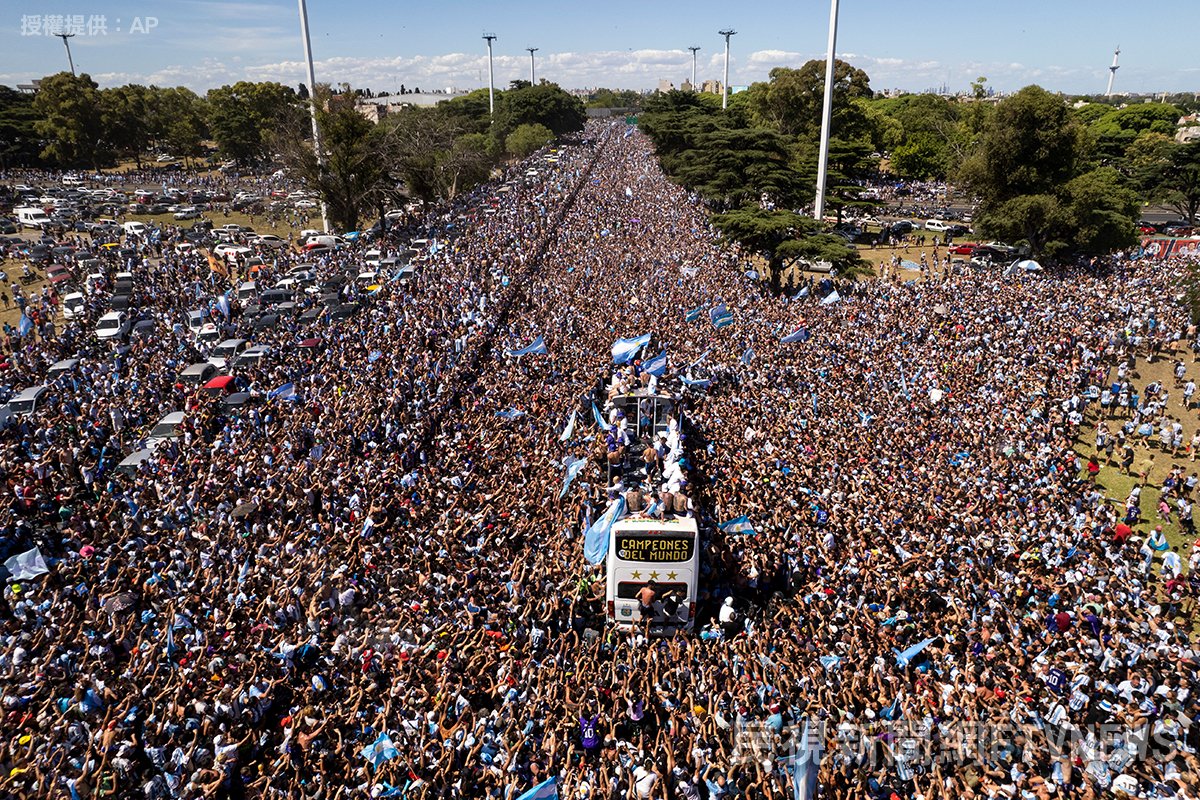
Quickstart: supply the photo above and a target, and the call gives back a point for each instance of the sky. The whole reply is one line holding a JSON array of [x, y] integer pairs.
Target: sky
[[1063, 45]]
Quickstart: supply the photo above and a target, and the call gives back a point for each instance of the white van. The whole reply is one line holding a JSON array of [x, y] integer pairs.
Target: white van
[[32, 218], [134, 228], [936, 225]]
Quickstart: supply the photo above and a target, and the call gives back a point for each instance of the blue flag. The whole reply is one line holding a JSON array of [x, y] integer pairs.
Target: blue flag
[[285, 392], [738, 525], [720, 316], [657, 365], [511, 414], [701, 383], [547, 789], [223, 304], [568, 431], [831, 298], [801, 335], [536, 347], [625, 350], [903, 659], [892, 711], [598, 416], [693, 315], [748, 356], [806, 765], [595, 540], [573, 469], [24, 326]]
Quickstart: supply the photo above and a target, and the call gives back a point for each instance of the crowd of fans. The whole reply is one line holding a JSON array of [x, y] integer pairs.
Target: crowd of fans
[[369, 586]]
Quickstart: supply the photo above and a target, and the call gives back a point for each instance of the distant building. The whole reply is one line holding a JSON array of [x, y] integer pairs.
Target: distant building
[[686, 86], [372, 111], [665, 86], [711, 87], [1188, 129]]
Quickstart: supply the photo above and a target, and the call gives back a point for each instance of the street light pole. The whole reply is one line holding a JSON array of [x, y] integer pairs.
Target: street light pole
[[826, 115], [725, 82], [491, 84], [312, 104], [71, 61], [694, 49], [531, 50]]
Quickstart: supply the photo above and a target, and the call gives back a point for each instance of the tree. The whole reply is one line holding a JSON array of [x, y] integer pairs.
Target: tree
[[922, 156], [791, 100], [126, 114], [765, 232], [731, 167], [528, 139], [435, 156], [358, 156], [180, 122], [19, 140], [470, 112], [1101, 212], [243, 116], [1031, 145], [545, 104], [70, 120]]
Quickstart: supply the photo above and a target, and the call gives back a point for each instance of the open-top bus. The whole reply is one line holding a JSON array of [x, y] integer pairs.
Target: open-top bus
[[650, 545]]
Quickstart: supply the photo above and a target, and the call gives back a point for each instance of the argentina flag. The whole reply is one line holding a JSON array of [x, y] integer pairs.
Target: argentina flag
[[625, 350]]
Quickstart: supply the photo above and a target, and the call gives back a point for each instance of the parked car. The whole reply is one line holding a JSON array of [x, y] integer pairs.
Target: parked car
[[113, 325]]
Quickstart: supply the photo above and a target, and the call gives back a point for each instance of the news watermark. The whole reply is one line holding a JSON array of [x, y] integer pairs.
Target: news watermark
[[914, 745], [84, 25]]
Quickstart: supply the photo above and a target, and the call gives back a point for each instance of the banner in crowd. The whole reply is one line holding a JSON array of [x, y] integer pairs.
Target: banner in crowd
[[1160, 247]]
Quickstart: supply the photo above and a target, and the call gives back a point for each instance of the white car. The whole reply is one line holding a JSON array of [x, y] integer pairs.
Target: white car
[[372, 257], [73, 305], [936, 225], [227, 250], [306, 203], [113, 325], [185, 247], [188, 212], [269, 240]]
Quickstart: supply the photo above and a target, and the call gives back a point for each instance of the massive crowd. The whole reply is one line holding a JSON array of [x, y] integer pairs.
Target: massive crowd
[[371, 588]]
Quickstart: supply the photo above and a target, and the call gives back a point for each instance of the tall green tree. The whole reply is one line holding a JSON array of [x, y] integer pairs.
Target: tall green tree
[[20, 144], [733, 166], [127, 116], [180, 123], [791, 100], [243, 116], [545, 104], [70, 120], [355, 175], [528, 139], [780, 236]]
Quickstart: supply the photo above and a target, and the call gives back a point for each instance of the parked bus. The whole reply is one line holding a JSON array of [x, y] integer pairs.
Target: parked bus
[[652, 544]]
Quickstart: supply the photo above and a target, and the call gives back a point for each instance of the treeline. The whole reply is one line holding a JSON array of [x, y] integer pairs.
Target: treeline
[[422, 153], [1052, 175]]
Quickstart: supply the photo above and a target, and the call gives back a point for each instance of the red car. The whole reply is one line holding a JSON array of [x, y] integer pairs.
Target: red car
[[964, 249]]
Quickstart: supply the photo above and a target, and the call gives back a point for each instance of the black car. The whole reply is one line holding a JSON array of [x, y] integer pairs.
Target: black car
[[344, 311], [266, 322], [900, 227]]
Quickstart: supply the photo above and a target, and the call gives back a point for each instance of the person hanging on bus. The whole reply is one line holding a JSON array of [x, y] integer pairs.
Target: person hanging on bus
[[646, 597]]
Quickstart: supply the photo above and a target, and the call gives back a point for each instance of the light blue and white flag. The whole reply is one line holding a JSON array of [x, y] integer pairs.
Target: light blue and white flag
[[738, 525], [806, 764], [536, 347], [831, 298], [904, 658], [748, 356], [569, 431], [24, 326], [573, 469], [830, 662], [511, 414], [285, 392], [595, 540], [720, 316], [625, 350], [801, 335], [693, 315], [596, 415], [546, 790], [380, 751], [697, 383], [24, 566], [223, 304], [657, 365]]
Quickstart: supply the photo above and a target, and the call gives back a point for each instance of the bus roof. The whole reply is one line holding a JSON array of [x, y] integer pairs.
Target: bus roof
[[666, 527]]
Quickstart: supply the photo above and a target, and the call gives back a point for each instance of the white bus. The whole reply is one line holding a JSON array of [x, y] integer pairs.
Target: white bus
[[666, 551], [663, 548]]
